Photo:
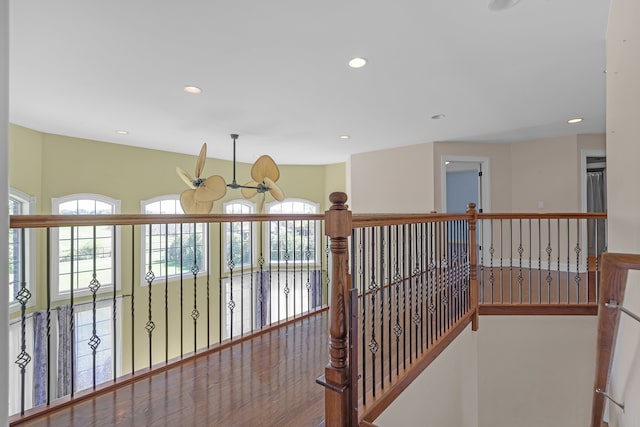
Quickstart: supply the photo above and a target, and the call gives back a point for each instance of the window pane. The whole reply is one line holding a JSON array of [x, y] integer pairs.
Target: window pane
[[92, 255], [165, 251]]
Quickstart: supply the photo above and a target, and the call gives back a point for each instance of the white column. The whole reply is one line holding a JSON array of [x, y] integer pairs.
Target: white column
[[4, 211]]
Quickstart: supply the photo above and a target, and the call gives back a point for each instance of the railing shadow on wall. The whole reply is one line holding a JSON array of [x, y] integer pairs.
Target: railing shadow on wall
[[117, 297], [405, 286], [615, 270]]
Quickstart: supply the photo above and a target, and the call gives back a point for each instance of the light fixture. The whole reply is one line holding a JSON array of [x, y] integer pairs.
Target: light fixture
[[357, 62], [122, 132], [192, 89], [202, 192], [576, 120], [438, 116], [497, 5], [447, 162], [344, 136]]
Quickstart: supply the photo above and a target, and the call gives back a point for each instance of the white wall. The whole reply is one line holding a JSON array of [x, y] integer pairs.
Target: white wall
[[536, 370], [399, 180], [4, 195], [445, 394], [623, 152]]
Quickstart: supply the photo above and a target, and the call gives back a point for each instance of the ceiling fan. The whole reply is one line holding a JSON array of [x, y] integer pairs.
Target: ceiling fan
[[199, 197]]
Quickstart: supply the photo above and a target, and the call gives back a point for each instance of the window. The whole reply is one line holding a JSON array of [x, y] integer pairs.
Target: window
[[295, 240], [104, 350], [238, 236], [161, 250], [19, 204], [82, 252]]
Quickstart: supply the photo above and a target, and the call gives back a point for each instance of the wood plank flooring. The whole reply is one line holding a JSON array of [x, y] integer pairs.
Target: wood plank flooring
[[268, 380]]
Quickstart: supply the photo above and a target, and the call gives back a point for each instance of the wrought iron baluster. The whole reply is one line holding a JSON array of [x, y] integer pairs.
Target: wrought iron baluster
[[520, 252], [578, 251], [181, 290], [48, 262], [231, 304], [568, 261], [397, 329], [530, 263], [208, 252], [501, 258], [558, 261], [549, 250], [94, 286], [72, 315], [307, 256], [133, 299], [23, 296], [166, 293], [114, 277], [539, 261], [510, 261], [389, 275], [373, 289], [195, 269], [492, 250], [362, 275], [378, 230], [149, 277], [221, 300], [431, 287]]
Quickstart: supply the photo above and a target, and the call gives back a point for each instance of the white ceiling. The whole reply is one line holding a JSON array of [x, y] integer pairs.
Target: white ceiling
[[276, 73]]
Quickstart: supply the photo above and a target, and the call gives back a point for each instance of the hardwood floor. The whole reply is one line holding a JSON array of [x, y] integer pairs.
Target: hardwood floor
[[268, 380]]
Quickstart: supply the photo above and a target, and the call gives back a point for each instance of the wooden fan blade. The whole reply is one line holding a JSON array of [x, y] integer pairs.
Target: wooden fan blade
[[185, 177], [274, 190], [213, 188], [248, 193], [201, 159], [191, 206], [263, 168], [260, 205]]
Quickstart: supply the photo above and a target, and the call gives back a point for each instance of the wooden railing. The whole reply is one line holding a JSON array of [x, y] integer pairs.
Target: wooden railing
[[615, 269], [412, 283], [403, 287], [175, 287]]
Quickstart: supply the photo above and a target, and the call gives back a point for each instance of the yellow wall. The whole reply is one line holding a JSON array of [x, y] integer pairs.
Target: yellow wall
[[47, 166]]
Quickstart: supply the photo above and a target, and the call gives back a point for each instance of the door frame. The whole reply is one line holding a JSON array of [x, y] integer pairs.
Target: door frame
[[583, 173], [485, 181]]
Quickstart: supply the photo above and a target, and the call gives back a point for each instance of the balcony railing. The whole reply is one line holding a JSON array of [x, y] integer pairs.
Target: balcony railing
[[407, 285], [114, 298], [117, 297]]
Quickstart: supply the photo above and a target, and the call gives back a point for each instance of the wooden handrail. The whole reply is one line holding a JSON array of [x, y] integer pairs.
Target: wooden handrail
[[562, 215], [615, 268], [35, 221]]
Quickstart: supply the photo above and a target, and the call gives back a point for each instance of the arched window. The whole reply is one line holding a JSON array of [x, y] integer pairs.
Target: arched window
[[82, 255], [296, 240], [20, 204], [162, 243], [238, 237]]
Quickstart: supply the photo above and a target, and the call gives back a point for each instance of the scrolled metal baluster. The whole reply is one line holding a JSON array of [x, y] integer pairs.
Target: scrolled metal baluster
[[195, 269], [520, 252], [166, 293], [150, 277], [578, 251], [23, 296], [94, 286]]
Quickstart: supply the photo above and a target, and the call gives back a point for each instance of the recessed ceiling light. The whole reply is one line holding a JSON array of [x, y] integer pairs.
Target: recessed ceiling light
[[497, 5], [438, 116], [122, 132], [357, 62], [576, 120], [345, 136], [193, 89]]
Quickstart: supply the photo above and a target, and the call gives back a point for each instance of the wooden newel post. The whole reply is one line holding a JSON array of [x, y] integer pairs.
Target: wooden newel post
[[473, 263], [338, 228]]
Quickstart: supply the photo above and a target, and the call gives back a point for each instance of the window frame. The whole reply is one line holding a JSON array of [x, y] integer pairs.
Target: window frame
[[254, 260], [144, 267], [28, 204], [316, 257], [56, 294]]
